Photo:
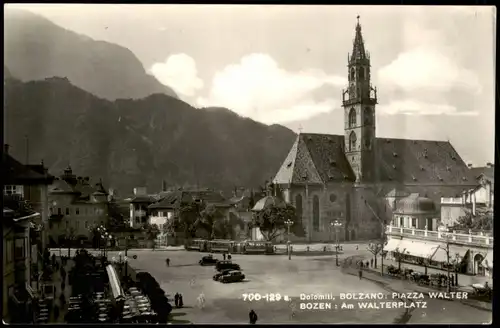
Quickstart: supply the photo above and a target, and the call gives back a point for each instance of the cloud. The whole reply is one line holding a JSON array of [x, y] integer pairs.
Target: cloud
[[430, 69], [415, 107], [178, 72], [258, 88]]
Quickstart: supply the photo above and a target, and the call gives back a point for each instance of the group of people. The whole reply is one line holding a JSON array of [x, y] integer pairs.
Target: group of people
[[179, 302]]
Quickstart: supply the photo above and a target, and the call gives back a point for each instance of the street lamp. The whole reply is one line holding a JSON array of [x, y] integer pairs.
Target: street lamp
[[288, 225], [337, 225]]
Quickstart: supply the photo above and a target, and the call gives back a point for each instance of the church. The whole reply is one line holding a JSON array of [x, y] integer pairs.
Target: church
[[350, 177]]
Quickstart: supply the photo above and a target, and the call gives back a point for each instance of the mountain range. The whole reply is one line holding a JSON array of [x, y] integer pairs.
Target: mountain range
[[36, 48]]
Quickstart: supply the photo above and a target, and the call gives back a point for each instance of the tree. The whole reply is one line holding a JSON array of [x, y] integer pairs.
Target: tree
[[213, 222], [481, 221], [271, 221], [375, 249], [117, 218], [69, 237], [188, 218], [152, 231], [399, 255]]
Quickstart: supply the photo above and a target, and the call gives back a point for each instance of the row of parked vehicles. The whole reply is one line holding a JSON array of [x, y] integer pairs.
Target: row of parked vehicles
[[226, 271], [230, 246]]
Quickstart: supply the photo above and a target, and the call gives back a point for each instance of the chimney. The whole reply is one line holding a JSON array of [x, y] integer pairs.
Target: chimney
[[469, 165], [6, 149], [164, 185]]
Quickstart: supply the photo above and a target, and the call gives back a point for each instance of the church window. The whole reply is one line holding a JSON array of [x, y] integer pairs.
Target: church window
[[316, 213], [352, 141], [352, 118], [333, 198], [298, 207], [353, 73]]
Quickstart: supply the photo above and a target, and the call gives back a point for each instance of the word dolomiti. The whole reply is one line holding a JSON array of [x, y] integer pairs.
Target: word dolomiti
[[267, 297]]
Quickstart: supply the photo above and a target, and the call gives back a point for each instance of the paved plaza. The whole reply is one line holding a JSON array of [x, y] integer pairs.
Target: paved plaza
[[277, 274]]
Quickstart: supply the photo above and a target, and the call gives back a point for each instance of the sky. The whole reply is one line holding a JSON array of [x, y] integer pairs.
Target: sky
[[434, 67]]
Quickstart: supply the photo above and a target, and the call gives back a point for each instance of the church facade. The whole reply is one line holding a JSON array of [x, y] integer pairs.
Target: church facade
[[349, 177]]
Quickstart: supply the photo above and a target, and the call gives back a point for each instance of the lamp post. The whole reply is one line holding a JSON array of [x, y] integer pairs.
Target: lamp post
[[337, 225], [288, 225]]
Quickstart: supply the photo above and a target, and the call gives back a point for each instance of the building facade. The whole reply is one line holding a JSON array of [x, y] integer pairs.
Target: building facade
[[349, 177], [76, 206], [25, 214]]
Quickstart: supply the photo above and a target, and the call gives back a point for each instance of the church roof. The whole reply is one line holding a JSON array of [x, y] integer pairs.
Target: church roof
[[320, 158]]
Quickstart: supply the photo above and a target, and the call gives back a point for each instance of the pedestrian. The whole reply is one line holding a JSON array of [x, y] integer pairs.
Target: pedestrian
[[176, 299], [229, 257], [360, 273], [201, 300], [53, 259], [371, 263], [181, 302], [168, 262], [224, 256], [356, 247], [367, 265], [361, 264], [253, 317]]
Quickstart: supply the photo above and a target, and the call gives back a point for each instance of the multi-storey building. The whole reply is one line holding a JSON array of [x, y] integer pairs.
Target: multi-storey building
[[75, 207], [25, 214]]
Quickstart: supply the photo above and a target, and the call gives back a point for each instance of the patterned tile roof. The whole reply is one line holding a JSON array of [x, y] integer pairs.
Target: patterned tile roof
[[13, 172], [487, 171], [173, 199], [399, 161]]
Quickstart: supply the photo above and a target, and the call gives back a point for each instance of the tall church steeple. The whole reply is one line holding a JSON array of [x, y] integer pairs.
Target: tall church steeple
[[359, 102]]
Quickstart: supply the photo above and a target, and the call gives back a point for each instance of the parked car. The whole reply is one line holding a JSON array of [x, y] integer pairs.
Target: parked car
[[222, 265], [232, 276], [220, 274], [208, 260]]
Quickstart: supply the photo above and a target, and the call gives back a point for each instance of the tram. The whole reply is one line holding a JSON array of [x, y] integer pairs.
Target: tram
[[200, 245], [221, 245], [255, 247]]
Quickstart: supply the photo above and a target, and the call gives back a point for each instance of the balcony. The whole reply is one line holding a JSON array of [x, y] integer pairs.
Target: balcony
[[458, 238]]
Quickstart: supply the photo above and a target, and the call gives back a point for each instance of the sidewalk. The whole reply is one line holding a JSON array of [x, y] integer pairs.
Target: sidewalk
[[403, 286], [57, 279]]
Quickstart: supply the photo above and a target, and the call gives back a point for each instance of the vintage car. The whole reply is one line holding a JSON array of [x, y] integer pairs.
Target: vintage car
[[208, 260], [232, 276], [222, 265], [220, 274]]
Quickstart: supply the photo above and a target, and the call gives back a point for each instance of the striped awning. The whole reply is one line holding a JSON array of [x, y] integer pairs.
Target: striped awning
[[417, 249]]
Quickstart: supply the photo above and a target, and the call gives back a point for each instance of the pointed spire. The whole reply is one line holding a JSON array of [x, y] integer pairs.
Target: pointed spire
[[358, 48]]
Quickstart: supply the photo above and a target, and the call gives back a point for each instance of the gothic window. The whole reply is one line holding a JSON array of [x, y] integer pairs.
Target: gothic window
[[316, 213], [352, 118], [352, 141], [298, 206], [368, 116], [353, 73]]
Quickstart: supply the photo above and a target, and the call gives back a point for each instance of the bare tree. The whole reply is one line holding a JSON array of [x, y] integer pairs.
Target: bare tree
[[375, 249]]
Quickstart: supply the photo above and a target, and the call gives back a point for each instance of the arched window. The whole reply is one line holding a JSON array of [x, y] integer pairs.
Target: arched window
[[352, 118], [353, 73], [352, 141], [298, 206], [316, 213], [367, 115]]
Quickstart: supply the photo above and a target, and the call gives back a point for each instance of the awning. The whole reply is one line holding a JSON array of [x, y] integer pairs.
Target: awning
[[488, 260], [417, 249], [440, 255], [114, 282], [392, 244]]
